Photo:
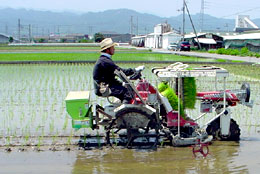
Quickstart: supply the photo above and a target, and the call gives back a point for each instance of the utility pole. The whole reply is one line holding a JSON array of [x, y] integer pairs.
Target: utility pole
[[90, 30], [202, 15], [183, 20], [137, 25], [30, 33], [19, 30], [145, 30], [58, 30], [36, 32], [131, 26], [226, 25], [49, 34], [193, 26], [42, 31]]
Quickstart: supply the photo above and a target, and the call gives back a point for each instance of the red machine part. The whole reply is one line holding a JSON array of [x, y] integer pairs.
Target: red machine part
[[231, 97], [172, 120], [144, 88], [143, 85], [201, 148]]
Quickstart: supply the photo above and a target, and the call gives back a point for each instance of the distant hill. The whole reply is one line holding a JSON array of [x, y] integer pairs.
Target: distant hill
[[119, 20]]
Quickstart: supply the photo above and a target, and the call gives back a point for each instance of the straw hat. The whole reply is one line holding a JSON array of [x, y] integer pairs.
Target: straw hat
[[107, 43]]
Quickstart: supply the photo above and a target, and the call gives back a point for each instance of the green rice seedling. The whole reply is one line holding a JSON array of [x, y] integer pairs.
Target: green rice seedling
[[42, 131], [98, 139], [70, 137], [14, 134], [162, 143], [173, 99], [39, 141], [33, 116], [8, 139], [65, 124], [84, 138], [27, 136], [22, 118], [51, 126], [69, 140], [11, 115], [114, 137], [8, 131]]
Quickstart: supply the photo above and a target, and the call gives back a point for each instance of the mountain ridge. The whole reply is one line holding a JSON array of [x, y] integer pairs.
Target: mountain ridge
[[114, 20]]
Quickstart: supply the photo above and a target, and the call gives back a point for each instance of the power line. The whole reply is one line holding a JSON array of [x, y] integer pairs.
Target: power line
[[252, 9]]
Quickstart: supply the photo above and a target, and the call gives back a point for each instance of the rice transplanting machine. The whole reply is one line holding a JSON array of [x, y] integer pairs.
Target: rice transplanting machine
[[157, 117]]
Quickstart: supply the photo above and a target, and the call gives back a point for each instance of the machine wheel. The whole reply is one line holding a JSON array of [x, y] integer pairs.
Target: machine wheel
[[246, 87], [137, 123], [214, 130]]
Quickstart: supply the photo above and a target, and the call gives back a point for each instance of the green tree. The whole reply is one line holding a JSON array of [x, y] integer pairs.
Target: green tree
[[41, 40], [63, 40], [85, 41], [98, 37], [11, 39]]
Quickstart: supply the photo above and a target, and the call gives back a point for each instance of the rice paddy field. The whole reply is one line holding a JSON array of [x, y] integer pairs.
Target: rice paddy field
[[34, 117], [36, 133]]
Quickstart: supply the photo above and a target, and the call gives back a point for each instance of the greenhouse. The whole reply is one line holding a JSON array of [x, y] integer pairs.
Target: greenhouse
[[251, 41]]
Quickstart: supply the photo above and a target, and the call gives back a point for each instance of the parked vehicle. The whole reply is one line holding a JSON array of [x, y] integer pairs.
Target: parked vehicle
[[173, 47], [184, 46]]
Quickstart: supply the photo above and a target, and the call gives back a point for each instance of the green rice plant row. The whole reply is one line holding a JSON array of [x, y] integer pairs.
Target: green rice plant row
[[94, 56]]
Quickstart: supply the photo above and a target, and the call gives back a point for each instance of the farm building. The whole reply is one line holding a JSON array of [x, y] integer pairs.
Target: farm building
[[4, 38], [243, 23], [206, 40], [119, 38], [170, 38], [160, 38], [67, 38], [153, 40], [250, 40], [138, 41]]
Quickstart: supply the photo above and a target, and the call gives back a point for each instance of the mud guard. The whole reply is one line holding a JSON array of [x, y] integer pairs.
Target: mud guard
[[225, 122], [146, 108]]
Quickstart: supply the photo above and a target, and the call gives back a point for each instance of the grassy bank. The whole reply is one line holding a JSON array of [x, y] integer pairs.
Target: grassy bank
[[236, 52], [86, 53], [6, 48]]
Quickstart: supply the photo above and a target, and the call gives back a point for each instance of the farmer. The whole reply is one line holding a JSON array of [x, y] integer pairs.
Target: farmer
[[105, 83]]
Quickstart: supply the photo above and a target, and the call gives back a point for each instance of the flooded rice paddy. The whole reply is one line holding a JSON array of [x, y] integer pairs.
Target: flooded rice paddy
[[36, 133]]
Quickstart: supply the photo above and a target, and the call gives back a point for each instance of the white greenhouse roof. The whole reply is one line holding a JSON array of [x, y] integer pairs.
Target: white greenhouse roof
[[206, 41], [193, 35], [138, 37], [171, 33], [243, 36]]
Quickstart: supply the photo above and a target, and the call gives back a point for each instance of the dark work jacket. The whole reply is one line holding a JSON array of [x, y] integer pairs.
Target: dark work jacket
[[104, 72]]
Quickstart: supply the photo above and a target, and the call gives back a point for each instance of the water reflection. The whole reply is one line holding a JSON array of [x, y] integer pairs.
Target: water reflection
[[222, 159]]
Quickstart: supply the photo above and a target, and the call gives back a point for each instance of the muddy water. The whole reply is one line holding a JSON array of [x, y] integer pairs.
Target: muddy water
[[224, 157], [32, 112]]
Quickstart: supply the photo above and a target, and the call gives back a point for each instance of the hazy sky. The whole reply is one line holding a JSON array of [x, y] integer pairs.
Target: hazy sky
[[163, 8]]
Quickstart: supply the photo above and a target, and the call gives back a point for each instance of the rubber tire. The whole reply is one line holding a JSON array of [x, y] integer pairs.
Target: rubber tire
[[214, 130], [246, 86], [150, 125], [131, 110]]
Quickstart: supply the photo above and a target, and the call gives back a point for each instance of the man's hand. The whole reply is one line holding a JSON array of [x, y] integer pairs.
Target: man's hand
[[104, 89], [140, 68]]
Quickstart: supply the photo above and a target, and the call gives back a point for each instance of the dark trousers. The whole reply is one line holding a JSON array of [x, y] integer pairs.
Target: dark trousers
[[120, 92]]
